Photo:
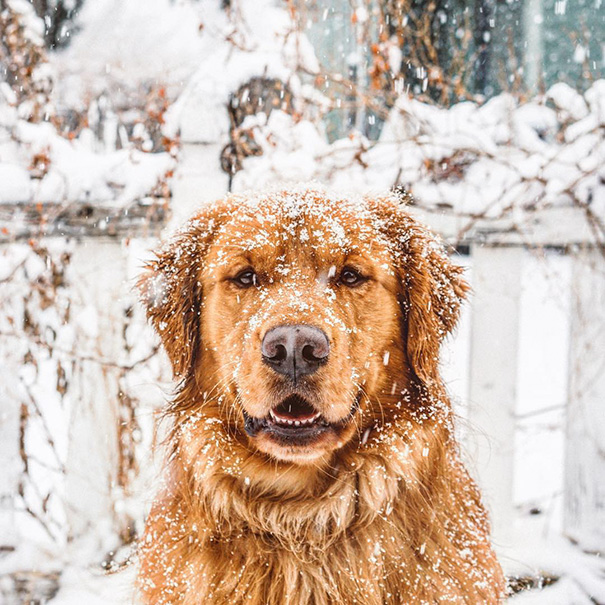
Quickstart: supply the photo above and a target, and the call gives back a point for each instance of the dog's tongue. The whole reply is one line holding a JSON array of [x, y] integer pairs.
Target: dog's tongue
[[295, 408]]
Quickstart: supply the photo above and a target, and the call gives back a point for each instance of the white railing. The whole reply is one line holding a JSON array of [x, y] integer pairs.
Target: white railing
[[103, 272], [499, 251]]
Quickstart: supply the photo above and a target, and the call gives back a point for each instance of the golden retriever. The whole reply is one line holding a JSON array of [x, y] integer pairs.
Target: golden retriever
[[312, 458]]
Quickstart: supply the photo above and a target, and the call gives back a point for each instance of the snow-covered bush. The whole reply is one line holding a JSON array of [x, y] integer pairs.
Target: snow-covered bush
[[52, 151], [477, 160]]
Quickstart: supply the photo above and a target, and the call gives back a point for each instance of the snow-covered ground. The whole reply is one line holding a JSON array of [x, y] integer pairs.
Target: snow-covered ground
[[581, 575]]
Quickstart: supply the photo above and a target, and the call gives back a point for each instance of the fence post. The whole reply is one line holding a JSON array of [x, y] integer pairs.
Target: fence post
[[99, 275], [198, 179], [203, 134], [10, 462], [493, 377], [584, 517]]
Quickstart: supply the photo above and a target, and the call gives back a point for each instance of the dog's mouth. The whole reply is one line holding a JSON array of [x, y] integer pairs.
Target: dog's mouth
[[294, 411], [295, 421]]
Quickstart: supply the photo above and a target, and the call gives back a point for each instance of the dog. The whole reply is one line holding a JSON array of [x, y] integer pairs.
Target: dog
[[312, 455]]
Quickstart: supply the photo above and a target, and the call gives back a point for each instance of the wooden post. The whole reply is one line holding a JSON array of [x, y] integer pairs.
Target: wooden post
[[493, 377], [584, 517]]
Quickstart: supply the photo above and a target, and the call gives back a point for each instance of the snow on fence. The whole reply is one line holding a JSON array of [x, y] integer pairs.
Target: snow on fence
[[81, 371]]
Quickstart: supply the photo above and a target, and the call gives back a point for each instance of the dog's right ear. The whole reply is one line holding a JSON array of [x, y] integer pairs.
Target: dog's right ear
[[171, 291]]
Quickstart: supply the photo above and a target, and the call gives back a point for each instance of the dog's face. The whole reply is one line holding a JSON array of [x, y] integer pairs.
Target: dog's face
[[299, 312], [300, 321]]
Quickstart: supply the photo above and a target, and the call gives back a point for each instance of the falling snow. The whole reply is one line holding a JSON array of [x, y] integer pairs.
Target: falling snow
[[478, 157]]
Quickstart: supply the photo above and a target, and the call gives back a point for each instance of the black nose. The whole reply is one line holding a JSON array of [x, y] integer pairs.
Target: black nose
[[295, 350]]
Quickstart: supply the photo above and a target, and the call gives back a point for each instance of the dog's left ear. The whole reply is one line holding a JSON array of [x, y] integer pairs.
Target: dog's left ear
[[432, 287], [171, 291]]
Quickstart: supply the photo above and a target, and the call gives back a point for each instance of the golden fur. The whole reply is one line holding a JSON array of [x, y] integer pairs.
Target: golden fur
[[378, 511]]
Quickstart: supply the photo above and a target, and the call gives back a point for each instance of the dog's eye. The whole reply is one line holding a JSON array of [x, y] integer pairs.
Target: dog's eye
[[245, 278], [351, 277]]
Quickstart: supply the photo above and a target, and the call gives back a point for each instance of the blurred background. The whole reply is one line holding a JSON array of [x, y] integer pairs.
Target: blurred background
[[118, 118]]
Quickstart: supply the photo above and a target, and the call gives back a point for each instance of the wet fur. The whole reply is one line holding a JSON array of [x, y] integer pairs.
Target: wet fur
[[389, 515]]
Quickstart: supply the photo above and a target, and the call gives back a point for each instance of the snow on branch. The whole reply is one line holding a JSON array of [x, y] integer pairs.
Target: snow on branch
[[475, 161]]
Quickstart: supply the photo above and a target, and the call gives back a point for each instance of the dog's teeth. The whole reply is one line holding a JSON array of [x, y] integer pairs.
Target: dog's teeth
[[286, 422]]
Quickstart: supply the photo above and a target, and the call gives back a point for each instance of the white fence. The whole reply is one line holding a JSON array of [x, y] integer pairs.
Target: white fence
[[500, 321], [101, 427]]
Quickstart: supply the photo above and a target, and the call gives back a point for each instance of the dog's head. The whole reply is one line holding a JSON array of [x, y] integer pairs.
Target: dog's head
[[300, 319]]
